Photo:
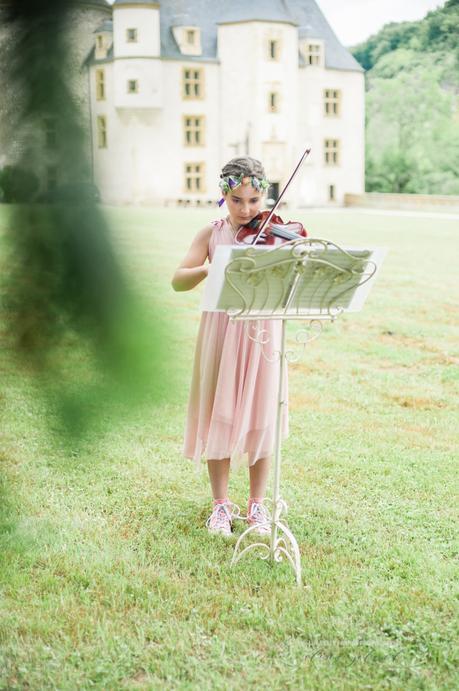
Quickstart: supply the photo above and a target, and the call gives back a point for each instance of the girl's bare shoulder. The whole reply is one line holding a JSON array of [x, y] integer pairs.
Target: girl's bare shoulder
[[205, 233]]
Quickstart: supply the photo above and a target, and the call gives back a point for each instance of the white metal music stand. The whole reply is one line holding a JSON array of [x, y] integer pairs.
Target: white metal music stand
[[311, 280]]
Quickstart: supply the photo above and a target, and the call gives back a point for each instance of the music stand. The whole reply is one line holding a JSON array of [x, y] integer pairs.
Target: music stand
[[311, 280]]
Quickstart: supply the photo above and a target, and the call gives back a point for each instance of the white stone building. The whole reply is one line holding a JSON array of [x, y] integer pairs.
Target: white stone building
[[178, 88], [170, 91]]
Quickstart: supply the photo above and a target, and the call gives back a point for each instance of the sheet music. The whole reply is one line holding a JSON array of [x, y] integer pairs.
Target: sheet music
[[261, 280]]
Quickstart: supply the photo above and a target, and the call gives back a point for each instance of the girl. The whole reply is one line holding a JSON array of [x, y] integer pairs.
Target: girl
[[233, 400]]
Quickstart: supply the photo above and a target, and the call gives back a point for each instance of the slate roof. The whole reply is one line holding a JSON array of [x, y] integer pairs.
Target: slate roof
[[106, 25], [312, 24], [272, 11], [103, 4], [135, 2], [208, 14]]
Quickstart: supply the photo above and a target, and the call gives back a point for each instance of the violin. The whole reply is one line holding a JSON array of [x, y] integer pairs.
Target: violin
[[274, 232], [269, 229]]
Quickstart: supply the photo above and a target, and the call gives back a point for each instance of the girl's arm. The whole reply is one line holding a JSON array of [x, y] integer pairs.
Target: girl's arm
[[193, 270]]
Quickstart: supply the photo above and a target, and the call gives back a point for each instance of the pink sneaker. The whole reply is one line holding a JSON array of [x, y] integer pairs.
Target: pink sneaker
[[259, 515], [220, 520]]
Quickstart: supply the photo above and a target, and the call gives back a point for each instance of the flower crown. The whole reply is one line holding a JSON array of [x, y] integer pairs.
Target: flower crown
[[229, 183]]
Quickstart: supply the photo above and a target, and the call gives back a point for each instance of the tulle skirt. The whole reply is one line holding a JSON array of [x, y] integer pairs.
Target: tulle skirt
[[233, 399]]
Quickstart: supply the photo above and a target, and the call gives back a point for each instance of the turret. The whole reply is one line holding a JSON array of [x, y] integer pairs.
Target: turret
[[137, 47], [136, 28]]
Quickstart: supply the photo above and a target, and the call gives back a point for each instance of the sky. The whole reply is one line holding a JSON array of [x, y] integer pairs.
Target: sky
[[354, 21]]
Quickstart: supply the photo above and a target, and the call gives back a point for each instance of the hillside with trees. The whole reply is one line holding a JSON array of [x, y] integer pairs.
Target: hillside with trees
[[412, 104]]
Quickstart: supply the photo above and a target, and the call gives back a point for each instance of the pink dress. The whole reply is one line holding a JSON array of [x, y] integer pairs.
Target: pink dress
[[232, 405]]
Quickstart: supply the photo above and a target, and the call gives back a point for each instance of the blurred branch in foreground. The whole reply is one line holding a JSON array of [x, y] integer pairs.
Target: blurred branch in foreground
[[69, 314]]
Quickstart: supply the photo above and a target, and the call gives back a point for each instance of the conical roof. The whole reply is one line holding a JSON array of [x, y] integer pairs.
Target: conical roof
[[136, 2], [103, 4], [106, 25]]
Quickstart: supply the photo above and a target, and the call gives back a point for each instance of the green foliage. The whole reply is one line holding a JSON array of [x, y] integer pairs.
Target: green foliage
[[17, 184], [412, 105], [439, 30], [391, 37]]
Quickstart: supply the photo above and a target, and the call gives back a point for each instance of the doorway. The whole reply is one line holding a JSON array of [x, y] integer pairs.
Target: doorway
[[274, 191]]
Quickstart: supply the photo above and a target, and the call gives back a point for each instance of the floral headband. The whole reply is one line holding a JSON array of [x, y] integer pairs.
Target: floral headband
[[230, 182]]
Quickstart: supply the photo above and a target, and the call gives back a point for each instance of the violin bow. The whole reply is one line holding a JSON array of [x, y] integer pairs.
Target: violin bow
[[271, 214]]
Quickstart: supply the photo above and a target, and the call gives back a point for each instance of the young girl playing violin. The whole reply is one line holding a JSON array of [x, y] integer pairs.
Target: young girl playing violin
[[233, 399]]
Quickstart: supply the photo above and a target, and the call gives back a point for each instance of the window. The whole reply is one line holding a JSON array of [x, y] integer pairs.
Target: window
[[193, 127], [332, 102], [100, 42], [188, 39], [331, 152], [131, 35], [102, 131], [273, 49], [313, 54], [100, 85], [331, 193], [133, 86], [193, 83], [50, 133], [51, 178], [273, 102], [194, 177]]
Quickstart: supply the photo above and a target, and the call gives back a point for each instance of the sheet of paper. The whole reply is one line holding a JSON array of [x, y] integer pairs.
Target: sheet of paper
[[261, 280]]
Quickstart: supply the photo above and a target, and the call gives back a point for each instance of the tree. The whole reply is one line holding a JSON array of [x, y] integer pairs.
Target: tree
[[412, 137]]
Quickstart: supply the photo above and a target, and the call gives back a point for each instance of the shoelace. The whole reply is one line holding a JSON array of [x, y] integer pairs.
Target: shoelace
[[223, 513], [258, 513]]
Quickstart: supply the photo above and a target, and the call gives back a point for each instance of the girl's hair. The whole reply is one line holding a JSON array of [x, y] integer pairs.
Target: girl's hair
[[245, 166]]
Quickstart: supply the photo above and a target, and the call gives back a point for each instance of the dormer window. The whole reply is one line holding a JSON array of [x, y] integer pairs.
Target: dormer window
[[131, 35], [313, 54], [102, 44], [188, 39]]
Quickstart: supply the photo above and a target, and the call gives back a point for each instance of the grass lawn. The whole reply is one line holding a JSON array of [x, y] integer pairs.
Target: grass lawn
[[109, 579]]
